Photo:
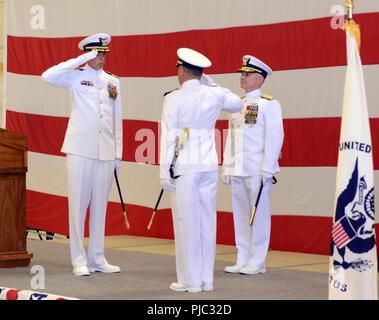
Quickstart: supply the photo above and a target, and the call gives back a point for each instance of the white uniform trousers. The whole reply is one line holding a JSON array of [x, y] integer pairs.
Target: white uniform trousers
[[252, 242], [89, 181], [194, 216]]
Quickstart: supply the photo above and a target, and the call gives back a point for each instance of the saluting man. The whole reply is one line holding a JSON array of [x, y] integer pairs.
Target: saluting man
[[93, 147], [251, 155], [188, 125]]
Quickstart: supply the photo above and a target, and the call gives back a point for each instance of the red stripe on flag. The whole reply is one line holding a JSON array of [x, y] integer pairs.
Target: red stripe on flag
[[339, 235], [307, 143], [342, 237], [284, 46], [335, 236], [342, 242], [337, 229], [46, 133], [308, 234]]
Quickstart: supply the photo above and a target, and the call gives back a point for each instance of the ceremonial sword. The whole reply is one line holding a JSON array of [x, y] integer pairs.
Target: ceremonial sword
[[256, 204], [155, 210], [274, 181], [122, 201], [179, 146]]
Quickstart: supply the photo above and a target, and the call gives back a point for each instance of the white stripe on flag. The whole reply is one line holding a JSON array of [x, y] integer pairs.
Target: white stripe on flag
[[340, 237], [125, 18]]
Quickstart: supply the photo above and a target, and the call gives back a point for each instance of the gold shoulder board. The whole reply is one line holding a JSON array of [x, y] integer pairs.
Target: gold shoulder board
[[267, 97]]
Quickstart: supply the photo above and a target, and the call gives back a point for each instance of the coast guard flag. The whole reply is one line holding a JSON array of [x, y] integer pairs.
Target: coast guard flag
[[353, 262]]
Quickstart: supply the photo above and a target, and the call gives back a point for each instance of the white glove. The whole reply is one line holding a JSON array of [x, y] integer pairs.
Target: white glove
[[266, 176], [117, 165], [84, 58], [226, 179], [168, 185], [207, 80]]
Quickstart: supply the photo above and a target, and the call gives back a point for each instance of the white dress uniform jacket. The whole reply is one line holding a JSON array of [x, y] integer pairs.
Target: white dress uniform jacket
[[197, 107], [254, 148], [95, 126], [93, 143]]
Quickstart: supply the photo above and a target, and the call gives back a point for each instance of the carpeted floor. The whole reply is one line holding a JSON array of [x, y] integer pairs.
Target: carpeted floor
[[147, 276]]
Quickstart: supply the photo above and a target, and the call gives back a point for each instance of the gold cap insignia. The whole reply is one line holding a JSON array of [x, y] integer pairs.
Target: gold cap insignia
[[103, 41], [245, 61]]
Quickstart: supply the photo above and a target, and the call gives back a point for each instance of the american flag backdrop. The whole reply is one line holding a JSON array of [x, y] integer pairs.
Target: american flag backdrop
[[294, 37]]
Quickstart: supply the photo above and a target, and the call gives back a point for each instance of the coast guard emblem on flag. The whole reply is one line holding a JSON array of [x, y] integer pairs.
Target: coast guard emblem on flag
[[353, 229]]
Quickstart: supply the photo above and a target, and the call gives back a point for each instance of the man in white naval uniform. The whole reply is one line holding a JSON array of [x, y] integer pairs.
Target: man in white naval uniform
[[251, 156], [93, 145], [193, 109]]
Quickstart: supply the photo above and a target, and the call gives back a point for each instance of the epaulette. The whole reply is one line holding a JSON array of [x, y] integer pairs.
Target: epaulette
[[111, 74], [168, 92], [267, 97]]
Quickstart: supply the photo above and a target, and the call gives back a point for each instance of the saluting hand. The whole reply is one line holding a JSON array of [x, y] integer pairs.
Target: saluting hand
[[207, 80], [88, 56]]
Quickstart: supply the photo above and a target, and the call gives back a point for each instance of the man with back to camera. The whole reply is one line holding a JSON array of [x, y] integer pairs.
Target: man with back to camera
[[93, 147], [188, 129], [251, 155]]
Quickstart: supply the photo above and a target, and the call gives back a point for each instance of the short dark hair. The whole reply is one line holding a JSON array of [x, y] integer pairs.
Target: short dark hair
[[194, 72]]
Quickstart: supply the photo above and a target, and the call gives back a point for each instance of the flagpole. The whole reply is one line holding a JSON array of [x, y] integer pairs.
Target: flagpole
[[351, 26], [350, 9]]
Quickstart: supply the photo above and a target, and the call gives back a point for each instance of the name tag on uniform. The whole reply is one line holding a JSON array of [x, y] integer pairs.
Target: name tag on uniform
[[87, 83]]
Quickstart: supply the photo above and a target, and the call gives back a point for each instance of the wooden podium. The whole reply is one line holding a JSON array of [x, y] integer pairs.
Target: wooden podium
[[13, 168]]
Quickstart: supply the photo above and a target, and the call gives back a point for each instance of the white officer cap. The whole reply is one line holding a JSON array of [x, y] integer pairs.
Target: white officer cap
[[252, 64], [98, 42], [192, 59]]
